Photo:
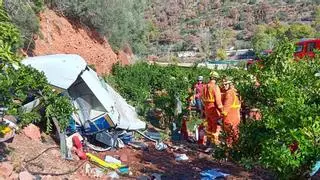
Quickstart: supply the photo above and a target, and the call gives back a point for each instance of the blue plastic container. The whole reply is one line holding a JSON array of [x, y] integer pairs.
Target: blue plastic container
[[100, 124]]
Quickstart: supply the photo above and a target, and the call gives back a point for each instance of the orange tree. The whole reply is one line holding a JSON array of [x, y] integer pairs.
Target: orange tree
[[289, 98], [18, 83]]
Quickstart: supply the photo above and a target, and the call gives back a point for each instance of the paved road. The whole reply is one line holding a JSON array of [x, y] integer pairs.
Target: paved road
[[208, 65]]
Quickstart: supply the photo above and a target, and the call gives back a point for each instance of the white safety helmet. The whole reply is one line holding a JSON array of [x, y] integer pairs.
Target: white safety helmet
[[200, 78]]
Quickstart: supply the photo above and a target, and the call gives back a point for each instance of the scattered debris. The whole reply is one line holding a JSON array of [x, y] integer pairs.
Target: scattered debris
[[120, 143], [87, 168], [315, 168], [113, 175], [97, 172], [138, 145], [212, 174], [156, 176], [111, 159], [123, 170], [181, 157], [160, 146], [79, 148], [33, 132], [94, 159], [98, 106], [154, 135], [127, 137], [8, 130], [143, 178]]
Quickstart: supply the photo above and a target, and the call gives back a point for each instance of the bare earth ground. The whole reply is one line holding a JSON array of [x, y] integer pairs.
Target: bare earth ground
[[58, 35], [141, 162]]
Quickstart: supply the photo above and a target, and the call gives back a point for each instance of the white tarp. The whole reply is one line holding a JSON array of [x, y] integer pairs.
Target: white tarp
[[62, 70], [128, 115]]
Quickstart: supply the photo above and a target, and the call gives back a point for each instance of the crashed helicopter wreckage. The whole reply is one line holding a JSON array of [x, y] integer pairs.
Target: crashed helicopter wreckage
[[101, 114]]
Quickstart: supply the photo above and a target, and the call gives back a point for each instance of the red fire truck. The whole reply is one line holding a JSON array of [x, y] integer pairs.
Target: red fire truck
[[304, 48]]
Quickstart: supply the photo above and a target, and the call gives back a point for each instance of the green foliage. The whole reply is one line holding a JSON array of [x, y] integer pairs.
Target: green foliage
[[241, 36], [289, 99], [298, 31], [58, 107], [316, 2], [282, 15], [222, 38], [290, 1], [153, 31], [221, 54], [252, 1], [316, 22], [121, 21], [23, 14], [266, 37], [37, 5], [18, 82], [239, 26], [10, 39], [193, 22], [141, 81]]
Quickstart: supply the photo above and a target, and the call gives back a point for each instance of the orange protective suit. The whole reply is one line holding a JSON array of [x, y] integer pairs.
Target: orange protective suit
[[231, 121], [211, 98]]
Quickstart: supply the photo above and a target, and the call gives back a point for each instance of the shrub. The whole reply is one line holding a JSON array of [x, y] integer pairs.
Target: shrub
[[298, 31], [221, 54], [290, 1], [19, 82], [239, 26], [252, 2], [266, 37], [316, 2], [243, 44], [38, 5], [120, 21], [241, 36], [194, 22], [282, 16], [140, 81], [23, 14], [289, 100]]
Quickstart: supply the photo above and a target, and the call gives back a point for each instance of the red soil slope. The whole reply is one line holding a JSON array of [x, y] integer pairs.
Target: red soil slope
[[58, 35]]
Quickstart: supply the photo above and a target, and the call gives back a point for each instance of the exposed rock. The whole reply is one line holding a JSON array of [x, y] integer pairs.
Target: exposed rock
[[33, 132], [14, 176], [6, 170], [124, 158], [25, 175]]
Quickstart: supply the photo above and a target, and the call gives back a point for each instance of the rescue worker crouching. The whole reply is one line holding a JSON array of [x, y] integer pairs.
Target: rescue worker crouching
[[213, 107], [231, 112]]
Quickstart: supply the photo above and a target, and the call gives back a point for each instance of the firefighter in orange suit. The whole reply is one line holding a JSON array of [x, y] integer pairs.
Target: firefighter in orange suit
[[231, 112], [211, 97]]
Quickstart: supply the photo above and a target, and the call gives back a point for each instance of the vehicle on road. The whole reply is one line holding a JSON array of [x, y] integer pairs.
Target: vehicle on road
[[303, 48]]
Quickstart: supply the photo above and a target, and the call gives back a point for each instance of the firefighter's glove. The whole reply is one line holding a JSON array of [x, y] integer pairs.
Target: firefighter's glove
[[224, 113]]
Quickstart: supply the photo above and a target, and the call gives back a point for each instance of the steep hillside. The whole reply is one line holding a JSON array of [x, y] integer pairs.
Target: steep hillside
[[206, 25], [58, 35]]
